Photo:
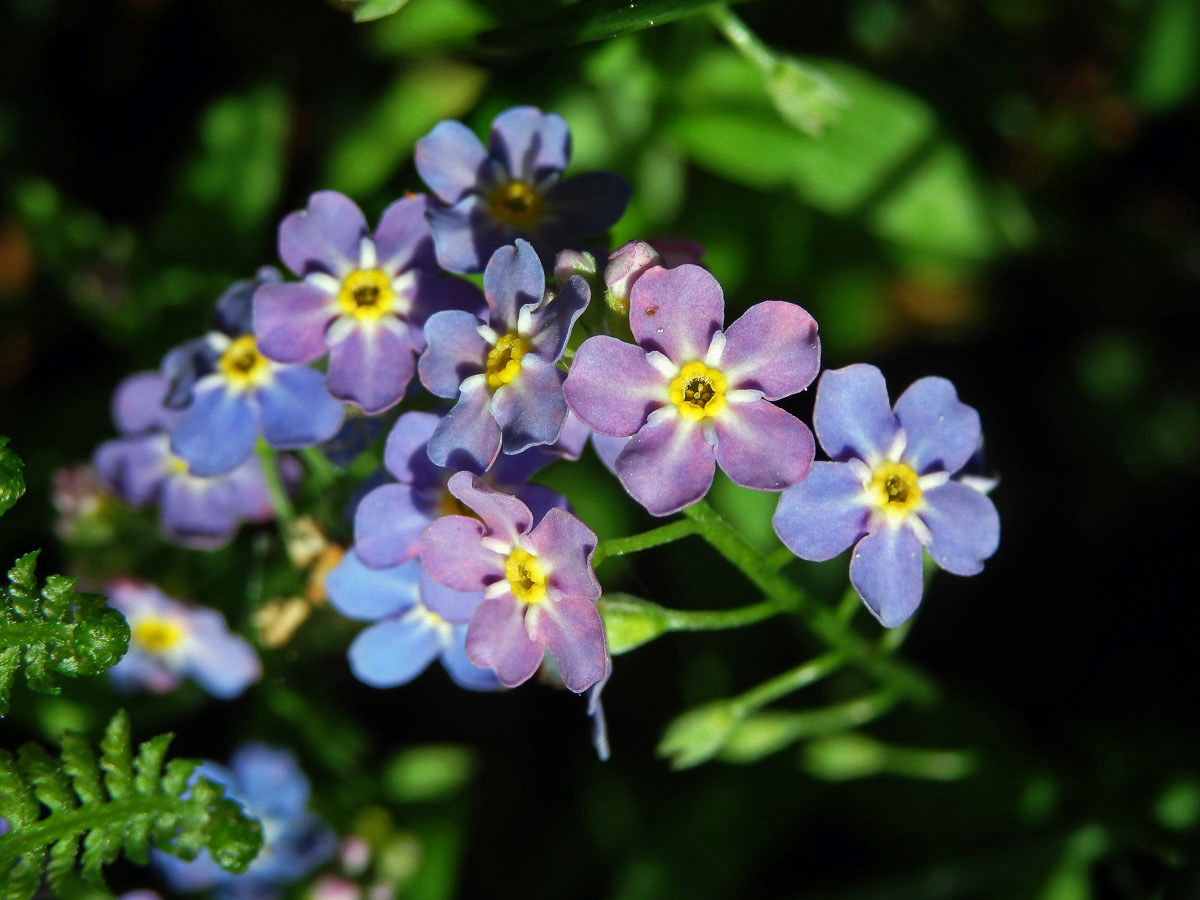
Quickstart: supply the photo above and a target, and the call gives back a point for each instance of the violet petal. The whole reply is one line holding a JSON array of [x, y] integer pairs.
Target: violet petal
[[773, 348], [676, 311], [885, 569]]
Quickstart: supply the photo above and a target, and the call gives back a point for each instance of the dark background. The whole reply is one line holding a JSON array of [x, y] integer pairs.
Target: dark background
[[148, 147]]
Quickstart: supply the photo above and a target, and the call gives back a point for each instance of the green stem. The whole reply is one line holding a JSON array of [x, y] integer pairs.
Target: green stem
[[324, 472], [739, 35], [782, 685], [777, 559], [719, 619], [284, 511], [635, 543], [79, 821], [824, 622]]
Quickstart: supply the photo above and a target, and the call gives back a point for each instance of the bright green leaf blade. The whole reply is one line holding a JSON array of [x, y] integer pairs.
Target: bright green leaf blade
[[370, 10], [1168, 67]]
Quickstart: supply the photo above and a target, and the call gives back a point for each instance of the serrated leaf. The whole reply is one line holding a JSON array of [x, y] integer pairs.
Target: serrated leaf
[[116, 758], [50, 783], [149, 764], [79, 762], [370, 10], [23, 878], [61, 863], [12, 478]]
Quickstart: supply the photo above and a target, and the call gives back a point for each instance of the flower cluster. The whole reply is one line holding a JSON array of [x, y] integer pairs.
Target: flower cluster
[[456, 555]]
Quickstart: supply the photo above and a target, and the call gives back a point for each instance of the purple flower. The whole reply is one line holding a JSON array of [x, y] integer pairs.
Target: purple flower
[[416, 619], [890, 489], [632, 260], [513, 188], [242, 395], [269, 784], [693, 396], [364, 298], [389, 520], [140, 468], [170, 641], [503, 373], [539, 589]]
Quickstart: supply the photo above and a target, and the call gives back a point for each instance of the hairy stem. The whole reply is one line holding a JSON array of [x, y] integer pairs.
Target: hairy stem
[[635, 543]]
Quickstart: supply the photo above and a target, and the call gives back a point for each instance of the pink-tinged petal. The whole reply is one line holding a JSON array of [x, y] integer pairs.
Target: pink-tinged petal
[[404, 454], [290, 321], [497, 640], [773, 348], [942, 431], [388, 525], [435, 292], [573, 632], [676, 251], [608, 448], [450, 160], [505, 516], [371, 367], [667, 465], [452, 554], [453, 606], [514, 277], [530, 409], [454, 352], [760, 446], [885, 569], [676, 311], [612, 387], [824, 514], [530, 143], [565, 546], [137, 404], [964, 525], [358, 591], [467, 437], [325, 236], [403, 240], [852, 415]]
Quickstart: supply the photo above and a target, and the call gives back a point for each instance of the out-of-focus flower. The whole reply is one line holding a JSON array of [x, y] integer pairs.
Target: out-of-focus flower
[[269, 783], [80, 498], [170, 641], [364, 298], [140, 468], [890, 489], [692, 395], [512, 188], [539, 589], [502, 372], [416, 621]]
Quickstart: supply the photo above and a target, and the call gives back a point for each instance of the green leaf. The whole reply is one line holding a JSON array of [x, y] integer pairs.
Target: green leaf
[[55, 631], [370, 10], [140, 807], [12, 479], [1168, 67]]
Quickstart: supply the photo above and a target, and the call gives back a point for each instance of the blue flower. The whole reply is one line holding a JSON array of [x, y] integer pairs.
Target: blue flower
[[269, 783], [512, 188], [416, 621], [895, 484]]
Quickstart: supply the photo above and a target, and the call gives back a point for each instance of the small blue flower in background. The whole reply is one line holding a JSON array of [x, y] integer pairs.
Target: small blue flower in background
[[896, 484], [198, 512], [503, 372], [269, 783], [512, 188], [416, 620], [170, 641]]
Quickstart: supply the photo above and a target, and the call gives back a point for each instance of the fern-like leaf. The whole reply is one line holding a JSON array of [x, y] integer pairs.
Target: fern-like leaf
[[98, 807], [12, 480], [56, 629]]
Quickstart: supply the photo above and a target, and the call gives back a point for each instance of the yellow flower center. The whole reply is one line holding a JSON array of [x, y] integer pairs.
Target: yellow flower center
[[366, 294], [450, 505], [894, 489], [157, 635], [516, 204], [176, 465], [242, 364], [525, 575], [504, 360], [698, 391]]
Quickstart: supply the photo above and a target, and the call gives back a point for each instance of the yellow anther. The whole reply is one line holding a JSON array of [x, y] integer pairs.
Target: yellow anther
[[504, 360], [242, 364], [176, 465], [516, 204], [157, 635], [894, 489], [698, 391], [366, 294], [526, 577]]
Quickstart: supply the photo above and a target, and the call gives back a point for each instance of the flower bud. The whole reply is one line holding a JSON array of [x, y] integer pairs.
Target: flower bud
[[696, 736], [574, 262], [625, 266], [630, 622]]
